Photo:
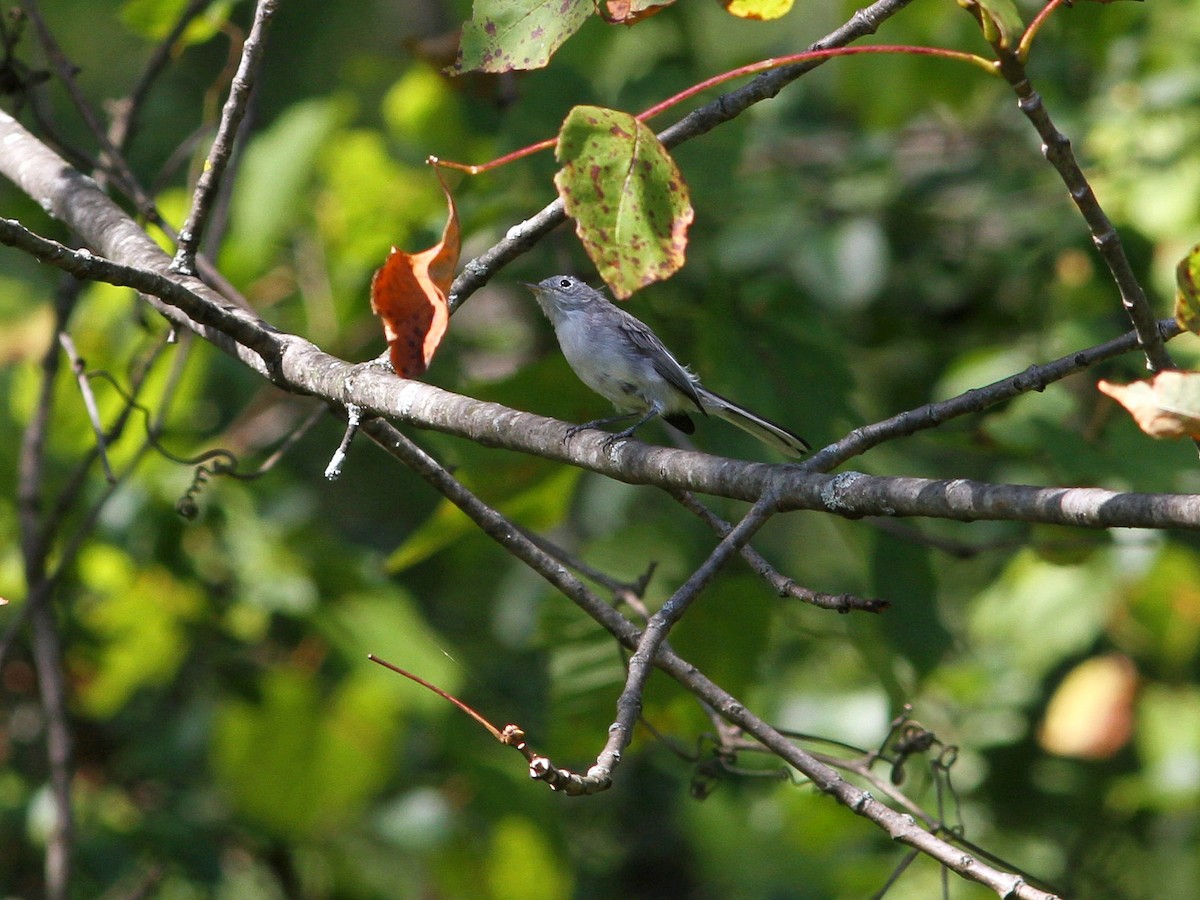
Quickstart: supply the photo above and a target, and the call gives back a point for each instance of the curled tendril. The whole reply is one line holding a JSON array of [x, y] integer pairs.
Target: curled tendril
[[217, 462]]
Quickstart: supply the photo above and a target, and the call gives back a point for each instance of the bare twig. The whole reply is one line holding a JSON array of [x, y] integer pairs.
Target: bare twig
[[1056, 147], [209, 182], [89, 402], [900, 827], [112, 158], [47, 656], [125, 111], [629, 704], [784, 586]]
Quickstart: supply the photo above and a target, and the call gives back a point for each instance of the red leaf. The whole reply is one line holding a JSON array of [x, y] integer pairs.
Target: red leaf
[[408, 293]]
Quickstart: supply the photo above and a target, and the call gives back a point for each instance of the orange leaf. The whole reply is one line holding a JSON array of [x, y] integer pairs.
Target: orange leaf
[[409, 293]]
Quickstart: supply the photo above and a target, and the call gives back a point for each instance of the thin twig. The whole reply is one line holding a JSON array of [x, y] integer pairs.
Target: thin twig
[[931, 415], [209, 183], [783, 586], [111, 157], [1056, 147], [125, 111], [89, 402], [898, 826], [629, 704]]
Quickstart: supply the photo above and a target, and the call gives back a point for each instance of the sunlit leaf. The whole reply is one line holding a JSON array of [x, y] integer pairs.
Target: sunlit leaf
[[523, 863], [503, 35], [1165, 406], [275, 173], [629, 201], [1187, 297], [758, 9], [408, 293]]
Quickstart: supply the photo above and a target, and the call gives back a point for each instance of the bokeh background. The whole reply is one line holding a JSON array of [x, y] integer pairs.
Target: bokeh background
[[883, 234]]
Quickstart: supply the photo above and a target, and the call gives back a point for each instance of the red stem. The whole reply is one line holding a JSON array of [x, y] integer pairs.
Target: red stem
[[763, 65], [433, 687], [1035, 26]]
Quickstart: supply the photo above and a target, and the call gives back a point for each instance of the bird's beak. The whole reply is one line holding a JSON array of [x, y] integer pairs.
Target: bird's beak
[[533, 287]]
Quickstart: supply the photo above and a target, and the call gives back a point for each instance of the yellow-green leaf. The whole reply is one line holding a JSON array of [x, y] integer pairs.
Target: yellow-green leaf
[[627, 197]]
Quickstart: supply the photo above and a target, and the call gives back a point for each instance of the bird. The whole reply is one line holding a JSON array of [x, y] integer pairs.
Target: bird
[[622, 360]]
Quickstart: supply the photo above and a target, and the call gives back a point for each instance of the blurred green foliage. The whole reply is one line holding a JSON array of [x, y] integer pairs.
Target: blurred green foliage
[[882, 234]]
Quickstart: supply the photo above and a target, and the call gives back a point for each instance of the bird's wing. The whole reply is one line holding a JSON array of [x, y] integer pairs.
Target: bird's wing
[[665, 364]]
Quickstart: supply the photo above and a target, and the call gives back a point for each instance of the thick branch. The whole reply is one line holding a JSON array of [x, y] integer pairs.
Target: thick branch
[[297, 365]]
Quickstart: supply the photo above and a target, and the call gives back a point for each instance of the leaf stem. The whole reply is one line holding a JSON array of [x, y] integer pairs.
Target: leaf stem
[[763, 65], [1035, 26]]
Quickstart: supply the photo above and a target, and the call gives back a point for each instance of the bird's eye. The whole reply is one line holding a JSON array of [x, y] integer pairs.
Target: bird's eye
[[565, 283]]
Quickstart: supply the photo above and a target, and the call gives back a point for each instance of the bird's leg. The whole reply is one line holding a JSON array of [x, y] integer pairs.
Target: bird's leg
[[596, 423]]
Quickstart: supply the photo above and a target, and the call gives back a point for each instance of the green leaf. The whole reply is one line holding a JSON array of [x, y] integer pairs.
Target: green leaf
[[999, 19], [503, 35], [1187, 298], [629, 201]]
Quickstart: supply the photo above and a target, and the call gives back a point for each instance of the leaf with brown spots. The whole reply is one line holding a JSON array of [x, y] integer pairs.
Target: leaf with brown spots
[[629, 201], [504, 35], [408, 293]]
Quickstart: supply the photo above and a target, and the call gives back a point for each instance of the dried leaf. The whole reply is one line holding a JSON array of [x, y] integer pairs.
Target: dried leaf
[[1187, 297], [408, 293], [626, 12], [504, 35], [1165, 406], [629, 201], [762, 10]]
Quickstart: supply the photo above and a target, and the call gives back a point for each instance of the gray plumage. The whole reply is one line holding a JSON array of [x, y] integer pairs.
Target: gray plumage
[[621, 359]]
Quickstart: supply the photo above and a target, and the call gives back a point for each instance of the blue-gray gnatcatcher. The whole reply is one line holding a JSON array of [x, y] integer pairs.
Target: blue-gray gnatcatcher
[[621, 359]]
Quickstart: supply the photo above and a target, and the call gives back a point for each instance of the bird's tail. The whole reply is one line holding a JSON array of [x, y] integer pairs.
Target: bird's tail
[[786, 442]]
